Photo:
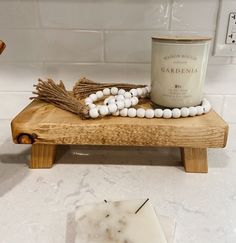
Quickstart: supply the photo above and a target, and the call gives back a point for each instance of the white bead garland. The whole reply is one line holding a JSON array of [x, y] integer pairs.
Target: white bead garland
[[119, 102]]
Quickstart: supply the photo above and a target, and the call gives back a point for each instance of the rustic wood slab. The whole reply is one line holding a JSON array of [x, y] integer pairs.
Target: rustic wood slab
[[41, 123]]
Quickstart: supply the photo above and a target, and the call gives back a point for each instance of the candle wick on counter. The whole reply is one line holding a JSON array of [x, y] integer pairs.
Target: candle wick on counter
[[141, 206]]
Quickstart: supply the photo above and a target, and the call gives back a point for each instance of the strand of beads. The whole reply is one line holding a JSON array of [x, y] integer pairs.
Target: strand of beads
[[121, 103]]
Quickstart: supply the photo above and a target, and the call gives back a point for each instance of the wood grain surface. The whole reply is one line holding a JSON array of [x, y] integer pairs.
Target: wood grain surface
[[42, 156], [195, 159], [46, 124]]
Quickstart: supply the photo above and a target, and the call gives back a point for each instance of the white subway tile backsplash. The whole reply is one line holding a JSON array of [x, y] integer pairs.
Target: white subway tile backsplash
[[232, 138], [106, 14], [20, 76], [12, 103], [128, 46], [219, 60], [220, 79], [71, 46], [194, 15], [22, 45], [217, 102], [100, 72], [229, 108], [52, 45], [19, 14], [233, 60]]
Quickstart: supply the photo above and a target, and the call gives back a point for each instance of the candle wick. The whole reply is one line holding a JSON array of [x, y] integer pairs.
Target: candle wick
[[105, 200], [141, 206]]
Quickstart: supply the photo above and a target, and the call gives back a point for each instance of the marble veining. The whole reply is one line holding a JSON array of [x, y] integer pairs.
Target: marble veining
[[118, 222]]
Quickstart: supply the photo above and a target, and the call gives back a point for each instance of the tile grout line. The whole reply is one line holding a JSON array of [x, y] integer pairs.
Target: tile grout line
[[170, 15], [103, 46]]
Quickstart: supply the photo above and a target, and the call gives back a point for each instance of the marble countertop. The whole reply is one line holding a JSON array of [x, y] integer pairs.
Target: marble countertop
[[37, 205]]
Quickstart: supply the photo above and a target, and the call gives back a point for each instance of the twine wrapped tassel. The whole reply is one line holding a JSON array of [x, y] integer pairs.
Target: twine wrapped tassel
[[84, 87], [57, 95]]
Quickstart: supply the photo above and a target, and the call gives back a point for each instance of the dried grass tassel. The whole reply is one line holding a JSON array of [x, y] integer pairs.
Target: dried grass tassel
[[84, 87], [57, 95]]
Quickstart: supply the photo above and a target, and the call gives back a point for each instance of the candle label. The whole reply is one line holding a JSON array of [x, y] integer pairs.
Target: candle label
[[178, 73]]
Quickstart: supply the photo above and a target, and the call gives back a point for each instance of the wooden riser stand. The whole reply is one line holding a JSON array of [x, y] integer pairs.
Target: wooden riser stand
[[45, 126]]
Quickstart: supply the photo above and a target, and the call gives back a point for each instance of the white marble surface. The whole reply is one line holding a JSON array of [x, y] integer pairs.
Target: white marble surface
[[37, 206]]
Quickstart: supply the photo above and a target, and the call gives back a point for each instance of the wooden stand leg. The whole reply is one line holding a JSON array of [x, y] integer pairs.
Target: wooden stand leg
[[42, 156], [195, 159]]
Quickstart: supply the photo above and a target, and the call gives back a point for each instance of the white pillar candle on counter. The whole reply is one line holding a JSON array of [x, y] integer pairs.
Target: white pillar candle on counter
[[178, 70], [118, 222]]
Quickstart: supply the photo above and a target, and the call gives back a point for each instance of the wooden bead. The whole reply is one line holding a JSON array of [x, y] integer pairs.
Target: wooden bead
[[112, 108], [192, 111], [176, 113], [207, 108], [105, 102], [140, 112], [111, 101], [93, 113], [99, 94], [121, 92], [93, 97], [200, 110], [139, 92], [167, 113], [127, 103], [184, 111], [91, 106], [88, 101], [120, 104], [132, 112], [127, 95], [149, 113], [114, 90], [134, 101], [124, 112], [134, 92], [120, 97], [144, 92], [117, 113], [158, 113], [103, 110], [106, 91]]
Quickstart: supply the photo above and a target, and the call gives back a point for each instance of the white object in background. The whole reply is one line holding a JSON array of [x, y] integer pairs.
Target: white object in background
[[231, 33], [118, 222], [223, 47]]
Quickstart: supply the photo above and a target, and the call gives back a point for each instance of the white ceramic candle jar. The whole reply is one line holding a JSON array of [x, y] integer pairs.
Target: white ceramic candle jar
[[178, 70]]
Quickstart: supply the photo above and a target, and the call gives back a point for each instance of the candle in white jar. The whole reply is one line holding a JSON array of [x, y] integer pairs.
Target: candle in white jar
[[178, 70]]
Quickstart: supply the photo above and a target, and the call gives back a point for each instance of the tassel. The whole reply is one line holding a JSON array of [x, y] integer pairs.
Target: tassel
[[57, 95], [84, 87]]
